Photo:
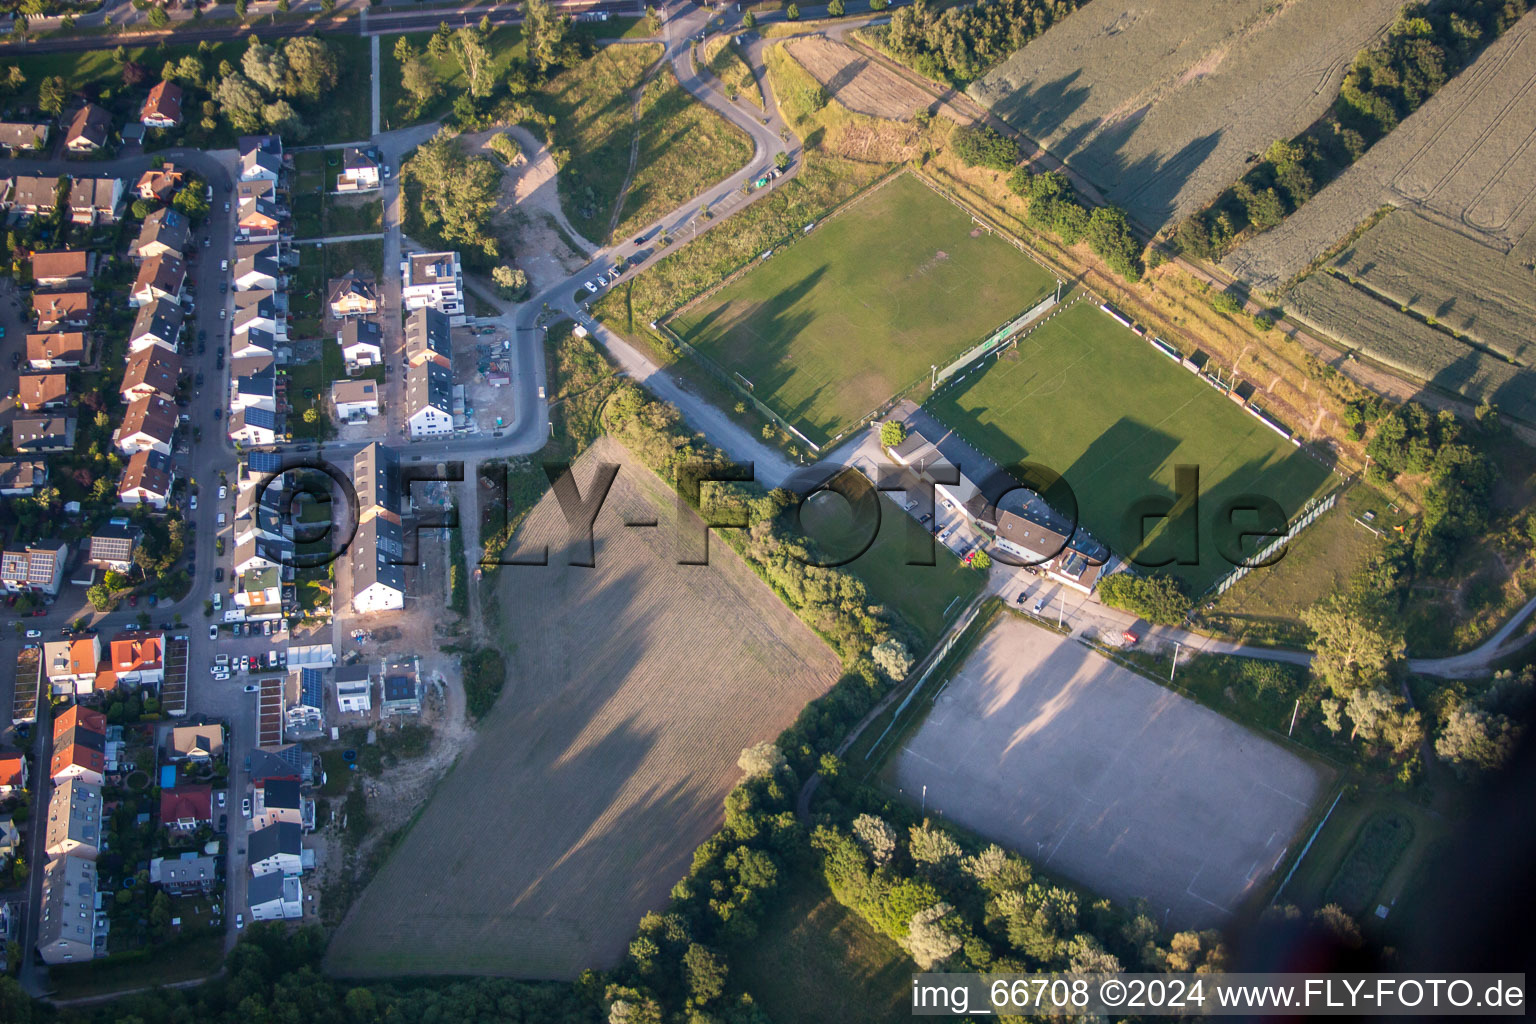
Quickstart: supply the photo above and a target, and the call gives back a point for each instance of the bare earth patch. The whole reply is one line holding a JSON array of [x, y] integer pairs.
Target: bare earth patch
[[633, 687], [858, 83]]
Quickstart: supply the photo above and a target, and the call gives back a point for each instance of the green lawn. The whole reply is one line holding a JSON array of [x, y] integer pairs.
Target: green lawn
[[837, 324], [815, 960], [354, 215], [1085, 397], [928, 597]]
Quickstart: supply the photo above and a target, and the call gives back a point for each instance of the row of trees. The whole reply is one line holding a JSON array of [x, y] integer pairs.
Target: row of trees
[[1423, 49], [960, 44], [1055, 207]]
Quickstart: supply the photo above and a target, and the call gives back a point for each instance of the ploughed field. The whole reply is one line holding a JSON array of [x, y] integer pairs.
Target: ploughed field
[[1161, 104], [1089, 399], [860, 309], [634, 686]]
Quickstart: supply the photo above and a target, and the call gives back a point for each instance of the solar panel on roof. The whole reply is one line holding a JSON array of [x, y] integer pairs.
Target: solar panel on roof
[[1075, 565], [264, 462], [309, 683]]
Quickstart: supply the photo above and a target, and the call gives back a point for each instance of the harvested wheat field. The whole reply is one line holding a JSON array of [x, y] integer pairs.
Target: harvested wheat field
[[1476, 291], [1387, 335], [1466, 160], [1161, 104], [634, 687], [862, 85]]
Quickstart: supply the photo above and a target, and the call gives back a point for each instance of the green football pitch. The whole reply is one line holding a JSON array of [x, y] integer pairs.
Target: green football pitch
[[1088, 399], [839, 322]]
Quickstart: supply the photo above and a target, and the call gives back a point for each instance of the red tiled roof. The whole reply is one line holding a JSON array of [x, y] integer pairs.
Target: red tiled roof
[[192, 803]]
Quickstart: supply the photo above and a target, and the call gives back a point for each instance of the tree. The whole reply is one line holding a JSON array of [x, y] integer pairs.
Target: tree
[[892, 658], [312, 415], [403, 51], [283, 5], [928, 941], [327, 6], [313, 68], [762, 758], [510, 282], [545, 31], [191, 202], [437, 46], [458, 193], [781, 160], [1157, 598], [835, 8], [792, 12], [892, 433], [420, 82], [930, 845], [706, 973], [876, 836], [242, 103], [266, 67], [240, 7], [1354, 644], [99, 596], [652, 20], [474, 58], [981, 146], [52, 94], [141, 208], [879, 5], [980, 560], [749, 20], [157, 16]]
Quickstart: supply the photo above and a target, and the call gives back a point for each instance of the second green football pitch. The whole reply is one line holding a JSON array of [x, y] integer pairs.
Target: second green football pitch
[[860, 309], [1087, 398]]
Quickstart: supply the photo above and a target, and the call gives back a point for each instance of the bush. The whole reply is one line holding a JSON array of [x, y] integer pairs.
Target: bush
[[892, 433], [1160, 599], [484, 675], [983, 147], [1226, 303]]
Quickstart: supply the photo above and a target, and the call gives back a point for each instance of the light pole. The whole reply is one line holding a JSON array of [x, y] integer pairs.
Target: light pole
[[925, 798], [1175, 664]]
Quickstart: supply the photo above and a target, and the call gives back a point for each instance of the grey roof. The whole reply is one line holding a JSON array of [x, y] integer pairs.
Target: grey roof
[[353, 673], [161, 318], [283, 793], [360, 331], [376, 475], [400, 688], [355, 157], [281, 837], [262, 384], [167, 226], [250, 416], [376, 552], [426, 332], [264, 888], [428, 385], [263, 264]]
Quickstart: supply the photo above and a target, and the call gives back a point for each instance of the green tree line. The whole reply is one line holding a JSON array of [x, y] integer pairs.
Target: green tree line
[[960, 44]]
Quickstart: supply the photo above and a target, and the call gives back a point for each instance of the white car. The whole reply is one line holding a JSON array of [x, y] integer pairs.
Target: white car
[[213, 632], [239, 918], [251, 687], [223, 314], [221, 674], [226, 210], [245, 807], [33, 634], [223, 492], [221, 518], [591, 287], [221, 798], [218, 601], [194, 503], [223, 264], [1039, 606]]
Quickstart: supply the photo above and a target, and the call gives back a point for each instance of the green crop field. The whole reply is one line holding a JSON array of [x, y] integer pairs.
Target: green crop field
[[1085, 397], [840, 322]]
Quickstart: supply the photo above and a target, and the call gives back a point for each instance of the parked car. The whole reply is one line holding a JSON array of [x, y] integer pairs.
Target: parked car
[[221, 798], [223, 491], [251, 687], [239, 918], [218, 600], [213, 632], [221, 659], [194, 503], [221, 674], [266, 629], [218, 575], [1039, 606], [245, 806], [33, 634]]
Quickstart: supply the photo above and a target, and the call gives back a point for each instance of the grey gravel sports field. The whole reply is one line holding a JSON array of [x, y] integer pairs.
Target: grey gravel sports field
[[1107, 778]]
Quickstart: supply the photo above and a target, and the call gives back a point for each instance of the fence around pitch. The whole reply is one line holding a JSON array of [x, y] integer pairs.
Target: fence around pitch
[[1308, 516]]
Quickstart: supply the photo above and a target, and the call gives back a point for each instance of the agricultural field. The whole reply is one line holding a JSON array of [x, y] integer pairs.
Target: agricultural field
[[858, 83], [1475, 291], [1463, 160], [684, 147], [839, 323], [1389, 336], [1161, 105], [1086, 397], [607, 758], [1093, 771]]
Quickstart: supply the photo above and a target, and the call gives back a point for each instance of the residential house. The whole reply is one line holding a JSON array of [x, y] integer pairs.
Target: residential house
[[353, 294], [402, 691], [254, 343], [261, 157], [45, 434], [260, 188], [89, 129], [361, 343], [159, 184], [74, 819], [138, 657], [261, 271], [158, 323], [253, 426], [285, 762], [257, 220], [355, 399], [434, 279], [19, 136], [354, 688], [376, 477], [276, 848], [36, 391], [13, 774], [146, 480], [153, 370], [112, 545], [257, 551], [67, 926], [184, 808], [187, 875], [359, 170], [303, 700], [275, 897], [32, 196], [71, 666], [429, 400], [63, 309], [149, 424], [160, 277], [428, 338], [259, 311], [38, 569], [165, 232], [378, 578], [260, 593], [162, 108], [56, 351], [79, 746], [62, 269], [22, 477], [259, 512], [278, 800], [199, 743], [96, 200], [10, 837], [256, 390]]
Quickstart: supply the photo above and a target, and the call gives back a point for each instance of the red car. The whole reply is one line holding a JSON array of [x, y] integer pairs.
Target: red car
[[39, 612]]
